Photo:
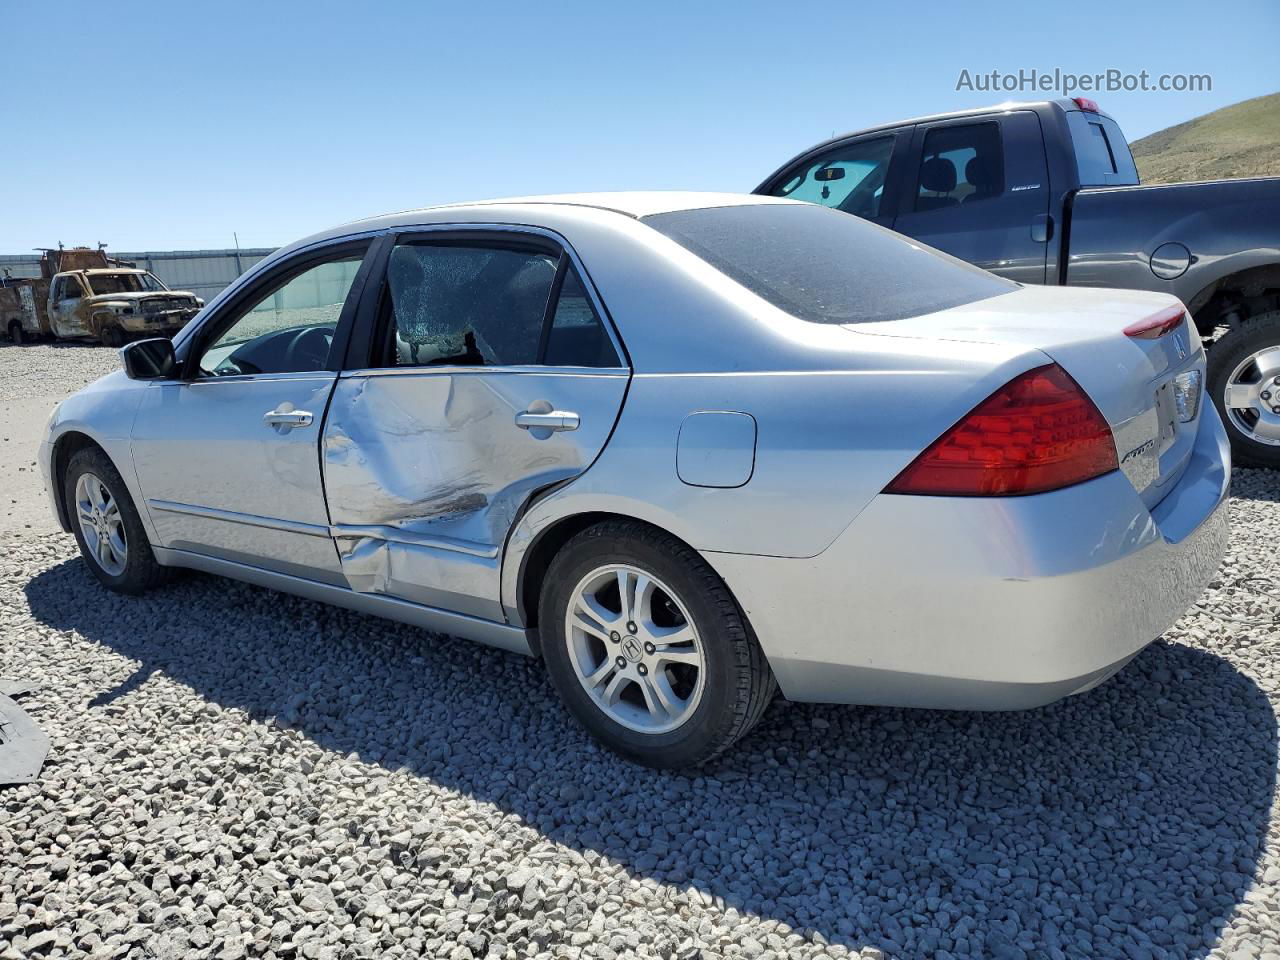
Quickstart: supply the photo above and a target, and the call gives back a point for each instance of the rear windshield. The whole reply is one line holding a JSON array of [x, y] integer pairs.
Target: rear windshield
[[1102, 153], [825, 266]]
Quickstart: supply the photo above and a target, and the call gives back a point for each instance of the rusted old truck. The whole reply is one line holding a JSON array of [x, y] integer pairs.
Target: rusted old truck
[[82, 293]]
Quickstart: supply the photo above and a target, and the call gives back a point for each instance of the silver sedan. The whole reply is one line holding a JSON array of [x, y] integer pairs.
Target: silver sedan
[[688, 448]]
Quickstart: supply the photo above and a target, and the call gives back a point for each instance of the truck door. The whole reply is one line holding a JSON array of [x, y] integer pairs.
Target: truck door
[[979, 190], [64, 303]]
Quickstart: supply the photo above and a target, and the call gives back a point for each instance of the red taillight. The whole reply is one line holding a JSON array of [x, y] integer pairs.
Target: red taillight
[[1157, 325], [1038, 432], [1084, 103]]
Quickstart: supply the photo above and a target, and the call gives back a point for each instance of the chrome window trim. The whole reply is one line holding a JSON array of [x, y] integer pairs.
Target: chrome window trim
[[531, 370], [606, 318]]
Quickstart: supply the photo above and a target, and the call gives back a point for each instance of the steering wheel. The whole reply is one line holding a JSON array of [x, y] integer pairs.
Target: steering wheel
[[308, 349]]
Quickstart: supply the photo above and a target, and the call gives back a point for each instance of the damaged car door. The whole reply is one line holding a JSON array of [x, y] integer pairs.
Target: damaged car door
[[228, 453], [492, 374]]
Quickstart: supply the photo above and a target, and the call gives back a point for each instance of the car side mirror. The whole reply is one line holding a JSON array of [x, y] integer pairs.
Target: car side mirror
[[150, 359]]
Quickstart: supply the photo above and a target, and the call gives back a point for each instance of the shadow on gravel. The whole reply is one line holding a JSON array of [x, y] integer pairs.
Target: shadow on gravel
[[1249, 483], [1127, 822]]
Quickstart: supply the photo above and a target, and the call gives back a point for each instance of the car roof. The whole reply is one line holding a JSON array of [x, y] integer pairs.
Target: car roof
[[98, 270], [629, 203]]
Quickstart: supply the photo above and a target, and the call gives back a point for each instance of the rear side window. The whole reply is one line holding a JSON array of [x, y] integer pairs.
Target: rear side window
[[1102, 153], [825, 267], [576, 337], [475, 304], [466, 304], [960, 164], [849, 178]]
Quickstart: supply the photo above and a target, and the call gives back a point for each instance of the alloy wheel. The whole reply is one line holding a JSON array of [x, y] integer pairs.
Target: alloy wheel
[[101, 524], [634, 649], [1252, 396]]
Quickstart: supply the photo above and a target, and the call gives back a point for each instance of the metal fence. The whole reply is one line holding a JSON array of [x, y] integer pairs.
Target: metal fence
[[204, 272]]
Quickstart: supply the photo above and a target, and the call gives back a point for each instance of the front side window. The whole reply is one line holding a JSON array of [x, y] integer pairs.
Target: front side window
[[849, 178], [478, 304], [826, 267], [290, 328], [68, 289], [960, 164]]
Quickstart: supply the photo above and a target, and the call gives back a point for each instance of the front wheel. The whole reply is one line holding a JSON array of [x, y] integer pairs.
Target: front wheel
[[107, 526], [113, 337], [1244, 381], [648, 649]]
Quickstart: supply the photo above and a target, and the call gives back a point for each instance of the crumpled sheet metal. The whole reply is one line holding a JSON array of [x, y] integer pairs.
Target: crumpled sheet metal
[[23, 745]]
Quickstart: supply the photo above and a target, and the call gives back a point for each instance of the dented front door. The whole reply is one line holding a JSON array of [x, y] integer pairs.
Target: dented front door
[[498, 379]]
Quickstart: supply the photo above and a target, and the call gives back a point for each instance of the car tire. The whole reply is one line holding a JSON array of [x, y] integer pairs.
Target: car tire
[[1232, 359], [16, 333], [699, 696], [113, 337], [115, 514]]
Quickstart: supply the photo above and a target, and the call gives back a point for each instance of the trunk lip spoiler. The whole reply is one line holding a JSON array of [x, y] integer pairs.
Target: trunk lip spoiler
[[1158, 324]]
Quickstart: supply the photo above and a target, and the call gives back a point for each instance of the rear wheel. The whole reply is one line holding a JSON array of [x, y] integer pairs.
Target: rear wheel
[[1244, 381], [107, 526], [16, 333], [648, 649]]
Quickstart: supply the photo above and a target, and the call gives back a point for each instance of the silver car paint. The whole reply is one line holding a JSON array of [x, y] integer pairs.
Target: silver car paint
[[839, 412]]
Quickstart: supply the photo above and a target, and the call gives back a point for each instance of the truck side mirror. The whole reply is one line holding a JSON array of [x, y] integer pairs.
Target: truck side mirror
[[149, 359]]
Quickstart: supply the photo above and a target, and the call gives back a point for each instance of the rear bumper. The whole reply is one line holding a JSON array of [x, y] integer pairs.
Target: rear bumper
[[989, 603]]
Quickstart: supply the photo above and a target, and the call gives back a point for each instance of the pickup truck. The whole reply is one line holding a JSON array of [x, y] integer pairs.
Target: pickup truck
[[82, 293], [1048, 193]]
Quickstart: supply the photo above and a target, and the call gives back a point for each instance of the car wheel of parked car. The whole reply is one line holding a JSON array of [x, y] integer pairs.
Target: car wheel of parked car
[[1244, 381], [106, 525], [16, 333], [647, 647]]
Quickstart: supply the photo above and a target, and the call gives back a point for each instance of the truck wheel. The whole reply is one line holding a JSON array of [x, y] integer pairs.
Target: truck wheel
[[16, 333], [1244, 382], [113, 337]]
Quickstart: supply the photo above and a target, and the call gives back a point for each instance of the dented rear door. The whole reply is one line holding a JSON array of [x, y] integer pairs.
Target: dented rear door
[[494, 375]]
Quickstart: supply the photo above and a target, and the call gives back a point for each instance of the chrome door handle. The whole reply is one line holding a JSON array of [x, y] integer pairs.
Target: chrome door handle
[[287, 419], [551, 420]]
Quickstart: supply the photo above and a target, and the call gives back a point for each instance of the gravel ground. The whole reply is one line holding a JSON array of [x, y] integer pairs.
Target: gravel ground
[[236, 772]]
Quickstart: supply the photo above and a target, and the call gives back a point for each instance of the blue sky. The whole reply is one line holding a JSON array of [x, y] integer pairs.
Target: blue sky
[[171, 125]]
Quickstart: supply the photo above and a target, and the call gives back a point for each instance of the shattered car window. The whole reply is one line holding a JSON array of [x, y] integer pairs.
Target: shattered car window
[[467, 304]]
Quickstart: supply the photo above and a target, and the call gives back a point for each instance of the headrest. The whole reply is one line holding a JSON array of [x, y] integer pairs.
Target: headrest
[[978, 172], [938, 174]]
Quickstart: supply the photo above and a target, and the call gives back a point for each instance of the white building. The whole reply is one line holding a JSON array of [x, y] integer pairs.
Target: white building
[[203, 272]]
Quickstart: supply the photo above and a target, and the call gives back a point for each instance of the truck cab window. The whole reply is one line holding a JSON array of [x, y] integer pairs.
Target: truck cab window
[[68, 289], [960, 164], [848, 178]]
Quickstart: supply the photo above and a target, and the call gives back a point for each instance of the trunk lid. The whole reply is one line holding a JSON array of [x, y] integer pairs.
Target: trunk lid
[[1131, 380]]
